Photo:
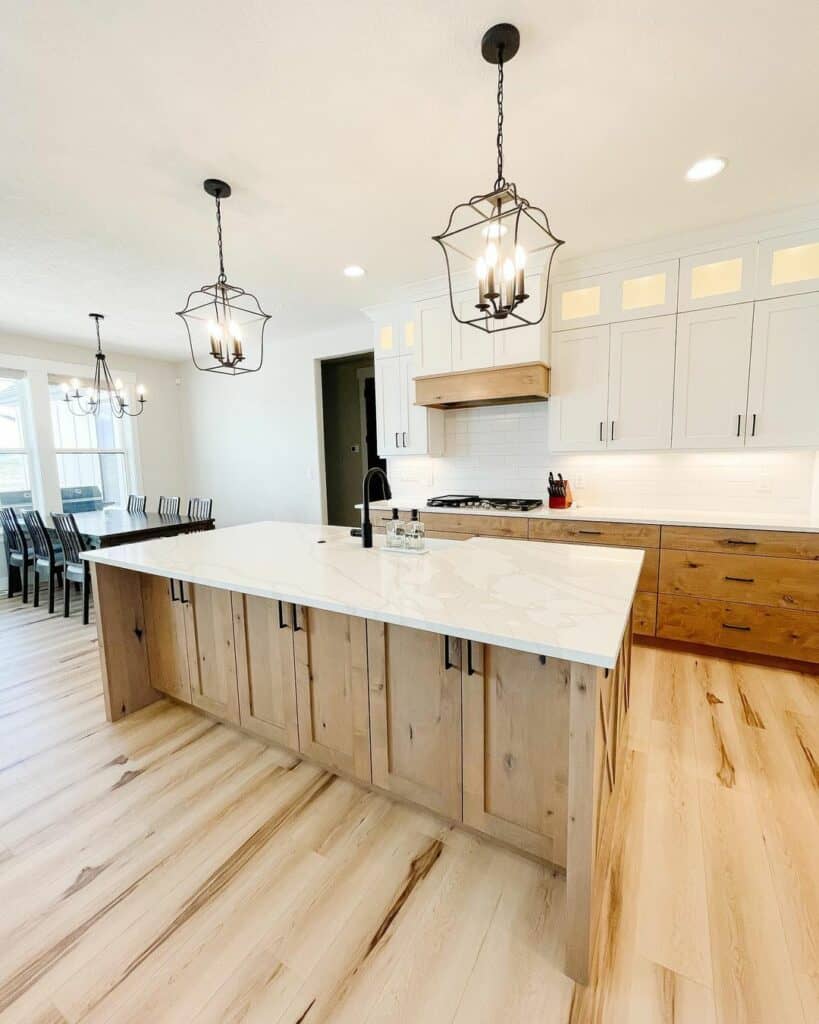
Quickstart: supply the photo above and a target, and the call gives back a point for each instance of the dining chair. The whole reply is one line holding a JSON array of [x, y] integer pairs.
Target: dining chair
[[76, 570], [136, 504], [200, 508], [168, 506], [18, 557], [46, 559]]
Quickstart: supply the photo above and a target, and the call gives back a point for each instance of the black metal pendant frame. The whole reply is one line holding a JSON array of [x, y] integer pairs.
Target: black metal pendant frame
[[223, 303], [102, 385]]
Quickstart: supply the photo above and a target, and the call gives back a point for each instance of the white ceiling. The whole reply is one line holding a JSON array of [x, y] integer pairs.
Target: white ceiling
[[349, 129]]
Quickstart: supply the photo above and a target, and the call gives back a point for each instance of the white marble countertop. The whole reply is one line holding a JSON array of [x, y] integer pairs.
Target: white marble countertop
[[745, 520], [561, 600]]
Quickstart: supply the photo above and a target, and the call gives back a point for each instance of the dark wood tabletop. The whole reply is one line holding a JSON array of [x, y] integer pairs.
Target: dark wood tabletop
[[117, 526]]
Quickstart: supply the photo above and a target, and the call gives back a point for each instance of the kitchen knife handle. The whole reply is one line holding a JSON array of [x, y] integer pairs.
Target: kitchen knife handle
[[741, 629], [739, 422]]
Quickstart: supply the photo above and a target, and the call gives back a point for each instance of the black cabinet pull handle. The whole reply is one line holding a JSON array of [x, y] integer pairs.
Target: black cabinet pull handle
[[282, 623], [182, 597], [173, 589], [742, 629], [591, 533], [601, 430], [612, 430], [404, 438], [740, 579], [447, 663], [396, 440], [296, 626], [741, 543], [470, 670], [753, 425], [739, 422]]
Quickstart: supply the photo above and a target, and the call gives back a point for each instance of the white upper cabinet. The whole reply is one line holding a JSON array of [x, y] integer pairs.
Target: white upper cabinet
[[578, 407], [645, 291], [404, 428], [711, 378], [718, 278], [523, 344], [788, 265], [641, 384], [389, 406], [433, 336], [395, 333], [471, 347], [783, 391], [584, 302]]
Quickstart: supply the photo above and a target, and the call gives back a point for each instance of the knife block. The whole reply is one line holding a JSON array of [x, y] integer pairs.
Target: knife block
[[562, 502]]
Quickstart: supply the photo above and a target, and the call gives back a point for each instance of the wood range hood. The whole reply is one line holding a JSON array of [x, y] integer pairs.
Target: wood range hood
[[497, 385]]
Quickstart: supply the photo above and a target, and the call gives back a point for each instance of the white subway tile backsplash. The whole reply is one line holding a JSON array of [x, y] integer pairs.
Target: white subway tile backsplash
[[504, 451]]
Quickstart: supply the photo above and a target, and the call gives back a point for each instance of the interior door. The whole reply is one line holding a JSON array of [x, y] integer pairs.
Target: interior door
[[578, 414], [388, 403], [265, 668], [331, 690], [516, 748], [641, 383], [211, 654], [165, 636], [415, 709], [711, 377], [783, 406]]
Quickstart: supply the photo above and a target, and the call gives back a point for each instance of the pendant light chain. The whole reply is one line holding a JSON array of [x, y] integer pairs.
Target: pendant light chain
[[501, 181], [222, 275]]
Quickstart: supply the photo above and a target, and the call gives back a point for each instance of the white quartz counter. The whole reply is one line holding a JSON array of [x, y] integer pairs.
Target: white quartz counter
[[742, 520], [561, 600]]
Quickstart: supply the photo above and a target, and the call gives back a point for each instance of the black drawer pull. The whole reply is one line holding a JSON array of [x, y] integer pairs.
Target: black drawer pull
[[592, 533], [447, 663], [296, 626], [282, 623], [743, 543], [470, 671], [739, 579], [741, 629], [173, 589], [182, 597]]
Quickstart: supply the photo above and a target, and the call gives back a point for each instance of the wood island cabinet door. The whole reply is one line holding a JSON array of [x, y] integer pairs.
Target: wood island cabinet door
[[266, 669], [415, 709], [211, 654], [516, 749], [165, 637], [331, 690]]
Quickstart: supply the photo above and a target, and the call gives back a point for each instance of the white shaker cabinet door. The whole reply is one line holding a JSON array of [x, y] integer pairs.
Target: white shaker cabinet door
[[434, 342], [641, 384], [412, 434], [783, 393], [578, 414], [523, 344], [471, 346], [388, 405], [711, 377]]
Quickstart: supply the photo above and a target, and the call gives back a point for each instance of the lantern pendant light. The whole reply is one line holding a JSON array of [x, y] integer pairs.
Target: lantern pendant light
[[103, 388], [496, 234], [225, 324]]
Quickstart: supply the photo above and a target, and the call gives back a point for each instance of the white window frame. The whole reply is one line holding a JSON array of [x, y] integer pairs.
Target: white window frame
[[7, 371]]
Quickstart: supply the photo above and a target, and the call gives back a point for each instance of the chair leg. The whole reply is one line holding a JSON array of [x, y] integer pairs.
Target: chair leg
[[13, 576], [36, 588], [24, 575], [86, 597], [66, 600], [51, 582]]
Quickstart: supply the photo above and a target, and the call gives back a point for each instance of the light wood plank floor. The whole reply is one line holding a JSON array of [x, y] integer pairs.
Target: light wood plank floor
[[169, 869]]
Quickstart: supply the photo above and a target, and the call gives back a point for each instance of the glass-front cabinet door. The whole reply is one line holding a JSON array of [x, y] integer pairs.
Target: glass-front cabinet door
[[718, 278]]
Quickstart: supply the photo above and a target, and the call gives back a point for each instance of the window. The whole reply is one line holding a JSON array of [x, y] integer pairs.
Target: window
[[91, 455], [15, 479]]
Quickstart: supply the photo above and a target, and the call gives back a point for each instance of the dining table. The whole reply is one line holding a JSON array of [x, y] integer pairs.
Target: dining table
[[111, 526]]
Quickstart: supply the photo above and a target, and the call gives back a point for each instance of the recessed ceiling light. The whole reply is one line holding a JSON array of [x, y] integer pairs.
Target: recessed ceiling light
[[354, 271], [705, 168]]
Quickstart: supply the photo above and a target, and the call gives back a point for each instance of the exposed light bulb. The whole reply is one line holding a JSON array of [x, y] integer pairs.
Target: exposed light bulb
[[118, 384], [520, 257], [75, 384], [508, 270], [494, 230], [64, 387], [491, 254], [140, 390], [214, 329], [235, 333], [480, 268]]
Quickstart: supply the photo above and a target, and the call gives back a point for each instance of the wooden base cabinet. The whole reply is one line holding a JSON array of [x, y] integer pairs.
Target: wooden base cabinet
[[266, 669], [516, 749], [166, 636], [415, 715], [211, 655], [331, 689]]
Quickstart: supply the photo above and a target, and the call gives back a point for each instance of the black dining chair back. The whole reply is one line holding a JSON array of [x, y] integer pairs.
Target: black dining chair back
[[168, 506], [46, 560], [200, 508], [18, 557], [76, 570], [136, 504]]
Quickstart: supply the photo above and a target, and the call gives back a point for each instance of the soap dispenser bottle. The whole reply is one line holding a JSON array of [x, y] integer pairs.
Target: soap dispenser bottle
[[416, 533], [396, 531]]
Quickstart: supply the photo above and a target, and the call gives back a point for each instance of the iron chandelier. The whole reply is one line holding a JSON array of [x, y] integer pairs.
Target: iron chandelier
[[102, 387], [221, 317], [496, 233]]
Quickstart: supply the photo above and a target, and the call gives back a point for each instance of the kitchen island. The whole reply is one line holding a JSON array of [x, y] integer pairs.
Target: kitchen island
[[486, 680]]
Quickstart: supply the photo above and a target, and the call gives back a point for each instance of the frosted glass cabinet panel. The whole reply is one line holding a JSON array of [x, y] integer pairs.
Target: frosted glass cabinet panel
[[788, 265], [718, 278], [645, 291], [783, 391], [641, 384], [583, 302], [711, 377]]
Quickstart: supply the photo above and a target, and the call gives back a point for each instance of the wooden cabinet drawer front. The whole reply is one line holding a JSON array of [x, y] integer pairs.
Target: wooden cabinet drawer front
[[741, 627], [778, 582], [650, 573], [627, 535], [381, 517], [645, 614], [780, 543], [476, 526]]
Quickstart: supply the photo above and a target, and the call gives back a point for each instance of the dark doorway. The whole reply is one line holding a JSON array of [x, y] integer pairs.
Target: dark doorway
[[350, 443]]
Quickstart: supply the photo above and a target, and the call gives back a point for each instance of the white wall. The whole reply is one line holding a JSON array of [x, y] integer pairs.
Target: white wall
[[254, 442], [158, 429], [503, 451]]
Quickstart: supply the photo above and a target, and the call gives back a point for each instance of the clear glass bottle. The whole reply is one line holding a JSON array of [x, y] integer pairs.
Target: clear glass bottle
[[396, 531], [416, 533]]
